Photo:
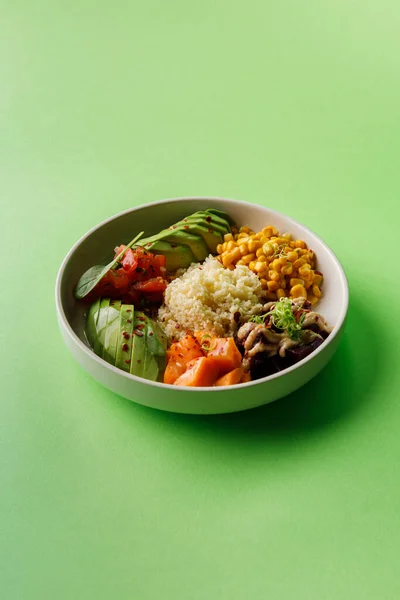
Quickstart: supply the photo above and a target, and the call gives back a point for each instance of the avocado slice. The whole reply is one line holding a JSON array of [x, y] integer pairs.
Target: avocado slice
[[177, 256], [180, 235], [211, 237], [91, 322], [197, 220], [214, 221], [123, 357], [112, 331], [156, 340], [101, 326], [143, 363], [221, 214]]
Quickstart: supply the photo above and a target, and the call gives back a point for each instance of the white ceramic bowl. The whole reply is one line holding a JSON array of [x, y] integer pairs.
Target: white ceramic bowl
[[96, 247]]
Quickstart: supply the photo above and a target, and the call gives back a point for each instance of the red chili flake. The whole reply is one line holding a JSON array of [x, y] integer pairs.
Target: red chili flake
[[318, 272], [173, 226], [128, 310], [180, 355], [177, 326], [138, 333], [139, 327], [138, 360], [125, 347], [128, 361], [125, 335], [148, 244], [129, 320], [150, 333], [140, 318], [208, 219], [185, 220], [186, 227]]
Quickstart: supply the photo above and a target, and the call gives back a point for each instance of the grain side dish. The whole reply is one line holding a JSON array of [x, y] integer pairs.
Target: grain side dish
[[205, 302]]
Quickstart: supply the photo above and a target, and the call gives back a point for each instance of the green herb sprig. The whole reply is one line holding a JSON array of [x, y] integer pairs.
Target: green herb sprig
[[282, 317]]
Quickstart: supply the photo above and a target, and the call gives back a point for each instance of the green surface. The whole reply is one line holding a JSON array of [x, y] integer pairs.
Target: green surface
[[105, 105]]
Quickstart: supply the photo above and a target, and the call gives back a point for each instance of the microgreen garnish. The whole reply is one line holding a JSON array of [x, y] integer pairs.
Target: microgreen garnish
[[282, 317], [205, 342], [279, 251], [259, 319]]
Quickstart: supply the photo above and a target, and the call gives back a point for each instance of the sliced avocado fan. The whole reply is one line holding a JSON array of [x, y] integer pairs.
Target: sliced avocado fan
[[126, 338], [191, 239]]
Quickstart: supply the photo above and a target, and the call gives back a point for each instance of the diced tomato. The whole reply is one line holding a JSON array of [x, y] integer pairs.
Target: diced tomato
[[141, 277], [130, 262], [155, 284]]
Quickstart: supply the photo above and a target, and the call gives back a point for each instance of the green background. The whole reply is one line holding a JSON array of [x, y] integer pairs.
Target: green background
[[106, 105]]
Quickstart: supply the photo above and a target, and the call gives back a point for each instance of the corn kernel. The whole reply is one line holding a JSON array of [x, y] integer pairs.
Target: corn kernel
[[273, 286], [252, 265], [267, 231], [247, 258], [305, 271], [296, 281], [283, 261], [244, 229], [262, 258], [308, 284], [240, 262], [312, 299], [268, 249], [292, 256], [299, 263], [276, 265], [298, 291], [227, 259], [318, 279], [280, 293], [316, 291], [264, 283], [236, 254], [300, 244], [219, 249], [228, 237], [254, 244], [287, 269], [273, 275], [224, 247], [243, 249], [242, 236], [260, 252], [259, 266], [286, 235], [231, 245]]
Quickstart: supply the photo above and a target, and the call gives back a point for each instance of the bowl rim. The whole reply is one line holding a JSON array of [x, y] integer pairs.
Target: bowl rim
[[162, 386]]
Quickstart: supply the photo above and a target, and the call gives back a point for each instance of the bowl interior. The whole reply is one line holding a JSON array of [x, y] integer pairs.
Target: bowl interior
[[97, 246]]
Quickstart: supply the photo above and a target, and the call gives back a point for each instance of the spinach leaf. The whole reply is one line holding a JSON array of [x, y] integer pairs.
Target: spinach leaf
[[92, 276]]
